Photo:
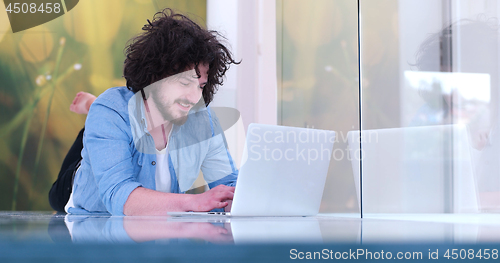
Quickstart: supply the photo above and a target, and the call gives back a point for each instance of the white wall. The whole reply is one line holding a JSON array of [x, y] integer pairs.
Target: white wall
[[250, 27], [251, 87]]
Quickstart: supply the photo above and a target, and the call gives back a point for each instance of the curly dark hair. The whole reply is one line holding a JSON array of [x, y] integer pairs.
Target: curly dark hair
[[173, 43], [485, 32]]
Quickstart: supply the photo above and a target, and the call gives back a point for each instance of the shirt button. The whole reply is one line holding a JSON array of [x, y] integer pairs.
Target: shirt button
[[153, 162]]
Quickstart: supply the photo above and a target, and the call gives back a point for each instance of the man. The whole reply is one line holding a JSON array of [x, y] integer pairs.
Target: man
[[477, 40], [144, 144]]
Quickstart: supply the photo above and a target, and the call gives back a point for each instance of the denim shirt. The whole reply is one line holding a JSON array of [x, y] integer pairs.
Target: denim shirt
[[118, 153]]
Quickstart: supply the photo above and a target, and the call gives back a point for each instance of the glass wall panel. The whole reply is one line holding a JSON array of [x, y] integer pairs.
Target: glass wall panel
[[318, 83], [430, 112]]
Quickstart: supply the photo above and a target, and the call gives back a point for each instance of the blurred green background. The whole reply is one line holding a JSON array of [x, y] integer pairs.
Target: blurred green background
[[41, 70]]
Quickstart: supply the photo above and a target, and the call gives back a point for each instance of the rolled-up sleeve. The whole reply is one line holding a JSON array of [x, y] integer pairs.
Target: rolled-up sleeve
[[108, 145]]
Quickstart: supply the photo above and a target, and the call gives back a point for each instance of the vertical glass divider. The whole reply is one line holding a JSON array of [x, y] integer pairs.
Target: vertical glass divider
[[360, 103]]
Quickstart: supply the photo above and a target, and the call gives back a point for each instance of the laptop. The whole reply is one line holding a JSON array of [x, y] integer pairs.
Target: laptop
[[426, 169], [283, 172]]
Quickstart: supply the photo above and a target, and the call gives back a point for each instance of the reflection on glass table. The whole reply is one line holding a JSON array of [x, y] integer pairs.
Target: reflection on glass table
[[111, 229], [46, 228], [84, 229]]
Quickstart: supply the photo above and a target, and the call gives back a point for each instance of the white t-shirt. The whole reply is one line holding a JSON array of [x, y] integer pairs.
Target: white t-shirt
[[162, 174]]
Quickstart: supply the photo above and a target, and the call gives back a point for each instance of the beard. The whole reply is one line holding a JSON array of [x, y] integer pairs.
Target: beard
[[166, 110]]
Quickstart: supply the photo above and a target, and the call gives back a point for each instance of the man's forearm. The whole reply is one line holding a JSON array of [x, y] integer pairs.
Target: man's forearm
[[143, 201]]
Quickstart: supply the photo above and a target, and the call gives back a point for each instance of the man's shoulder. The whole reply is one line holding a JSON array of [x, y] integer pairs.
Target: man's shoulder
[[115, 97], [112, 101]]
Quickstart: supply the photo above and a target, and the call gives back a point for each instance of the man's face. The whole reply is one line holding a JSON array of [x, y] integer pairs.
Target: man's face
[[176, 95]]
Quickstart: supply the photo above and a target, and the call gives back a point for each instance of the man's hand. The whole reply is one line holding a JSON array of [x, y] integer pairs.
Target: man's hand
[[216, 197]]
